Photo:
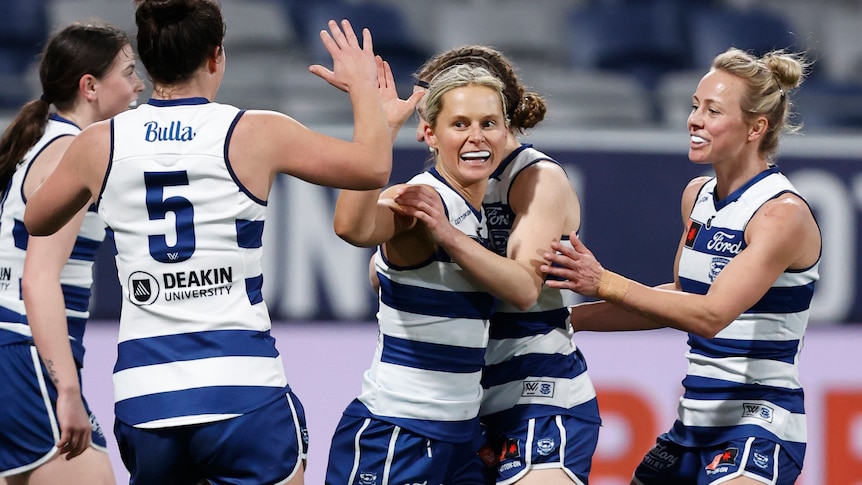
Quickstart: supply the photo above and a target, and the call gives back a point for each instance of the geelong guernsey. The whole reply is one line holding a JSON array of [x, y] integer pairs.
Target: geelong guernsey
[[426, 371], [76, 278], [745, 381], [194, 344], [533, 368]]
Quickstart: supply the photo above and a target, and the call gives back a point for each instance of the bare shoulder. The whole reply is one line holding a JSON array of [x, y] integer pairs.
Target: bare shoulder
[[787, 210], [541, 180], [689, 194], [788, 222]]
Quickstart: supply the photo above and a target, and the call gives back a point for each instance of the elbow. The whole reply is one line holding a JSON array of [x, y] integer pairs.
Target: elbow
[[524, 300], [350, 234], [29, 289], [377, 179], [38, 227], [710, 326]]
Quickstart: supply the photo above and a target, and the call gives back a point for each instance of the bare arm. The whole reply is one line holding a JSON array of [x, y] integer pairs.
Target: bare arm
[[72, 185], [369, 218], [45, 303], [43, 297], [507, 279], [781, 235]]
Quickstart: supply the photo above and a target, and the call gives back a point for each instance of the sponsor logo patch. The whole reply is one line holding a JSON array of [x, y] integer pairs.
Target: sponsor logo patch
[[723, 461], [660, 458], [691, 234], [538, 389], [757, 411], [143, 288]]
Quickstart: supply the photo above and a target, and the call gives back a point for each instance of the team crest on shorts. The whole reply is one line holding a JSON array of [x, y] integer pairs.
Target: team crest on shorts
[[546, 446], [367, 479]]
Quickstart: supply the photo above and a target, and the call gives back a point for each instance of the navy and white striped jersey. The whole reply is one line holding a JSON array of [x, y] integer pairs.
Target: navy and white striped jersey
[[195, 343], [745, 381], [533, 368], [426, 371], [76, 278]]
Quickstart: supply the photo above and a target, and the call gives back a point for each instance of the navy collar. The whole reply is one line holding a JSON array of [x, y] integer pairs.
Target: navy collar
[[161, 103]]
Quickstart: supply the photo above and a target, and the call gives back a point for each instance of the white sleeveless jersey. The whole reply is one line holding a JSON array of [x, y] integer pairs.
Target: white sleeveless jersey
[[426, 371], [76, 278], [745, 381], [533, 368], [195, 343]]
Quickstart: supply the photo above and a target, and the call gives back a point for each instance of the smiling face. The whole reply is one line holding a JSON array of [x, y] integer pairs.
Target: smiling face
[[717, 127], [469, 135]]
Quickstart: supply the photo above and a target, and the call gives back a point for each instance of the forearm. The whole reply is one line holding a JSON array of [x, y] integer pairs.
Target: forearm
[[603, 316], [46, 316], [355, 218], [372, 132], [509, 280], [664, 305]]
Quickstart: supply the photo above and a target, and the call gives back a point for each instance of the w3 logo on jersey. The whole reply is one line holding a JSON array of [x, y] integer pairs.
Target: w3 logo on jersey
[[538, 388], [759, 411]]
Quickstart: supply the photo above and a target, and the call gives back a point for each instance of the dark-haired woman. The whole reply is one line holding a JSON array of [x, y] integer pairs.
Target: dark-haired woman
[[200, 389], [49, 435]]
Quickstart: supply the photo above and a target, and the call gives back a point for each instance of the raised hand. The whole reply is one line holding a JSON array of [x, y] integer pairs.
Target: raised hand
[[351, 63], [397, 110]]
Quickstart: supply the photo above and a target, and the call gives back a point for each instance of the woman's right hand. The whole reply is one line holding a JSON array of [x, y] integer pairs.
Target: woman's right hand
[[351, 64]]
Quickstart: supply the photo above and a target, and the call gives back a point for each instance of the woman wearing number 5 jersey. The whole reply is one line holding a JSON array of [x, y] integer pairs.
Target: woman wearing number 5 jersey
[[182, 182]]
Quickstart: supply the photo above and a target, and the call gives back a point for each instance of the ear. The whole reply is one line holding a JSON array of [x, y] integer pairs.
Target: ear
[[430, 138], [88, 86], [216, 59], [758, 128]]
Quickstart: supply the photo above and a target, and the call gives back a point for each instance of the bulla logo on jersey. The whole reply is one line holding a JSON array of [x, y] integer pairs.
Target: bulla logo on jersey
[[174, 132]]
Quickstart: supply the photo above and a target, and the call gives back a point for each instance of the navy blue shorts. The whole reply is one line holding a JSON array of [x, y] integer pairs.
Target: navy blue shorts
[[563, 442], [760, 459], [368, 451], [29, 433], [266, 445]]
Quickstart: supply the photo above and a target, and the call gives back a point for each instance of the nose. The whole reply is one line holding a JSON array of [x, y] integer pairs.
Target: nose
[[476, 134], [694, 118], [139, 83]]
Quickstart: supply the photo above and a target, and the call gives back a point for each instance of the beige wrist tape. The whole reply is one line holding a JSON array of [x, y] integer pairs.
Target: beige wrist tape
[[612, 287]]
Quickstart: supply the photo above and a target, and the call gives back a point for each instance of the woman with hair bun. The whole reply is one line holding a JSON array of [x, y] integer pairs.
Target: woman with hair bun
[[745, 272], [182, 182]]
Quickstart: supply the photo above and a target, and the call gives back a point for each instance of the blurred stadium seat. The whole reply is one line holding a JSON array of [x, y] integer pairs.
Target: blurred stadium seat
[[392, 35], [713, 30], [645, 39], [23, 30], [593, 98]]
